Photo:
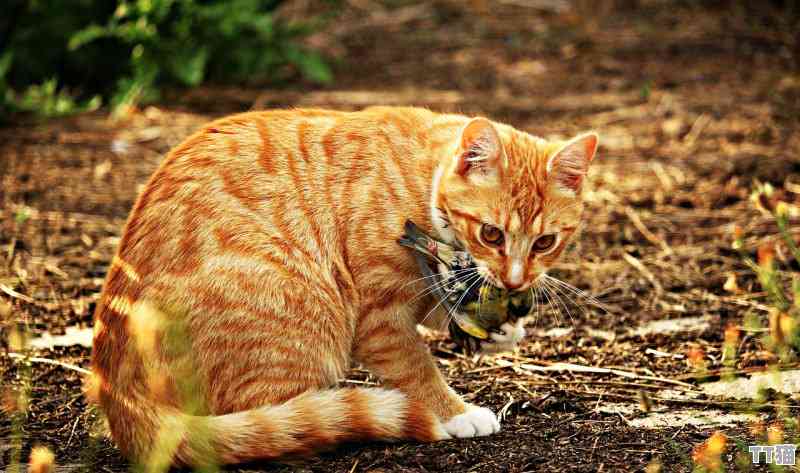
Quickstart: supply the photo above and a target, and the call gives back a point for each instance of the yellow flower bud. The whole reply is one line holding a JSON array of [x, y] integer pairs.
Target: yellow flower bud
[[42, 460], [731, 285], [782, 210], [775, 434]]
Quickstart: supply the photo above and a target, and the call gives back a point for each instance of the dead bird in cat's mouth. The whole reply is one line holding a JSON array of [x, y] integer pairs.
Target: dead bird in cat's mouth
[[475, 306]]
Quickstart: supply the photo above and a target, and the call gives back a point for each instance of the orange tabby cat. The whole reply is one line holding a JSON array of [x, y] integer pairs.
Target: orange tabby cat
[[261, 261]]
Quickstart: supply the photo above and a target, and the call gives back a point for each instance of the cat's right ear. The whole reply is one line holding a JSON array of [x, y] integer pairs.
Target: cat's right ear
[[480, 152]]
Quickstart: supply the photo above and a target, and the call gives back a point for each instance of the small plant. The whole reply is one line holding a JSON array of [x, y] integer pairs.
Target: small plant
[[781, 287], [774, 255], [15, 400]]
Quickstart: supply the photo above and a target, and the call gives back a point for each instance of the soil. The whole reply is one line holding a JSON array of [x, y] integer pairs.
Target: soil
[[693, 102]]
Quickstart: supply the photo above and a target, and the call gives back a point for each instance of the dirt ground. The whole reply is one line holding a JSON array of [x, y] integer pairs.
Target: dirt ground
[[693, 103]]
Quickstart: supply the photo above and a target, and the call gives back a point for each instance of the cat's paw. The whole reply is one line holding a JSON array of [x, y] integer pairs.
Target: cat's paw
[[506, 341], [476, 422]]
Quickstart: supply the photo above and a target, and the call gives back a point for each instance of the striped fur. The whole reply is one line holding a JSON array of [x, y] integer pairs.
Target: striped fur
[[260, 261]]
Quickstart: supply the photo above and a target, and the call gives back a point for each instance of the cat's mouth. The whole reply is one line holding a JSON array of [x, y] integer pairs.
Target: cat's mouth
[[470, 294]]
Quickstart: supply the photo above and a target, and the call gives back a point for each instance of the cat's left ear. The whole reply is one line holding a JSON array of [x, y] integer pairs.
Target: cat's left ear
[[568, 166]]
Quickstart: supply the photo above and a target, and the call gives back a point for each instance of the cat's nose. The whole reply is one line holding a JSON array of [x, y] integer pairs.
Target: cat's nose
[[512, 285], [516, 275]]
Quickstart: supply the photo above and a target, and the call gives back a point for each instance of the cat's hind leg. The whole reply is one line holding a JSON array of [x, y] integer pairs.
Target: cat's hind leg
[[268, 357]]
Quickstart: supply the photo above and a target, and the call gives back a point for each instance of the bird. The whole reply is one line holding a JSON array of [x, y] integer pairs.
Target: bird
[[476, 307]]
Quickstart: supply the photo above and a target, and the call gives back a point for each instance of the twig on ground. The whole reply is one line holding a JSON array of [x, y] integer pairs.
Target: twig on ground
[[720, 372], [355, 464], [624, 419], [523, 388], [698, 402], [72, 434], [474, 394], [602, 383], [450, 352], [594, 447], [358, 381], [556, 6], [697, 128], [738, 300], [651, 237], [633, 261], [16, 295], [504, 411], [47, 361], [663, 354], [591, 369]]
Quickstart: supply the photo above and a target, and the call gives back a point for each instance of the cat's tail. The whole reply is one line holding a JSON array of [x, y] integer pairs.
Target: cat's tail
[[159, 437]]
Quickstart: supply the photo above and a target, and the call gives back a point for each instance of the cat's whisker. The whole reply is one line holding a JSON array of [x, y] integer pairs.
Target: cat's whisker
[[554, 308], [541, 309], [441, 301], [467, 274], [480, 299], [458, 303], [559, 291], [452, 271], [542, 299], [589, 298], [481, 280], [428, 291], [440, 284], [536, 308], [576, 302], [455, 306], [557, 294], [579, 293]]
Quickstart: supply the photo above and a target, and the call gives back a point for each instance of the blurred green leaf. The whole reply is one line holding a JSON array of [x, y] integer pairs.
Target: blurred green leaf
[[86, 36], [22, 215], [126, 51], [311, 65], [5, 63], [189, 66]]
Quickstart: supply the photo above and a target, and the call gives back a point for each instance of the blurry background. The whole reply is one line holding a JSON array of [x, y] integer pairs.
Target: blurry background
[[698, 107]]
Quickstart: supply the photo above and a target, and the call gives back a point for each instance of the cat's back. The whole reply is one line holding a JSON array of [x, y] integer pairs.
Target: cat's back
[[256, 156], [296, 172], [276, 145], [311, 134]]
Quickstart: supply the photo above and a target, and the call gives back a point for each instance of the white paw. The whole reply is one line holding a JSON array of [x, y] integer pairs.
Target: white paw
[[508, 340], [476, 422]]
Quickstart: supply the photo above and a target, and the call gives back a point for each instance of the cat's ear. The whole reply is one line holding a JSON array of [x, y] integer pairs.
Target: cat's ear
[[480, 151], [568, 166]]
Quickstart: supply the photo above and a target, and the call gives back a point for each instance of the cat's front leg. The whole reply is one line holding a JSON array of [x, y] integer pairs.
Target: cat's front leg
[[387, 343]]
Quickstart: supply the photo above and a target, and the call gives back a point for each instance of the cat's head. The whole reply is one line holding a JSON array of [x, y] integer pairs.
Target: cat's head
[[512, 200]]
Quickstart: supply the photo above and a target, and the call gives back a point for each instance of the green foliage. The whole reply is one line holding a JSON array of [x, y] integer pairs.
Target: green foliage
[[77, 51], [22, 215], [45, 98]]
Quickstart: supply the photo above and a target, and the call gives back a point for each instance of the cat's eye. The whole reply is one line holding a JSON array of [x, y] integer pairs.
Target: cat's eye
[[544, 242], [491, 235]]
